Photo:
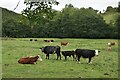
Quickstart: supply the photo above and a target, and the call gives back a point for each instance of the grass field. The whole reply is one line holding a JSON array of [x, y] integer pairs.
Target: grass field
[[103, 66]]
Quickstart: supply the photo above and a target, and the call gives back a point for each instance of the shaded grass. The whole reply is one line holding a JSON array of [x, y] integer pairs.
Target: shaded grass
[[103, 66]]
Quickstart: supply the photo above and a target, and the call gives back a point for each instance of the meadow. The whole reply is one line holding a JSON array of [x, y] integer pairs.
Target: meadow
[[103, 66]]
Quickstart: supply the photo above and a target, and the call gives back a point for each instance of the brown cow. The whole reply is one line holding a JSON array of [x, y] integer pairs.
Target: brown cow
[[29, 60], [110, 44], [64, 43]]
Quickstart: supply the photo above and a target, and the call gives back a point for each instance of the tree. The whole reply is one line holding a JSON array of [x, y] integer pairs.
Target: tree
[[69, 6], [12, 28], [109, 8], [118, 26], [38, 11]]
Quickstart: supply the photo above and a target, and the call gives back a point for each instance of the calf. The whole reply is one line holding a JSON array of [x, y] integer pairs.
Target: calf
[[86, 53], [110, 44], [29, 60], [50, 50], [64, 43], [68, 53]]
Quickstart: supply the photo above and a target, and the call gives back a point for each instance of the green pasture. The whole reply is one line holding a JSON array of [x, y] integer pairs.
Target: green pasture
[[103, 66]]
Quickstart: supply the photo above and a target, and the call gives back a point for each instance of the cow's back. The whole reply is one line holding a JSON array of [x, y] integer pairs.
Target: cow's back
[[85, 53], [67, 53], [23, 60], [51, 49]]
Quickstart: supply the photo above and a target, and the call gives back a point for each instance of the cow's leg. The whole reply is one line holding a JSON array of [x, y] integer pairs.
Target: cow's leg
[[79, 59], [65, 57], [57, 57], [48, 56], [60, 57], [89, 60], [32, 63], [73, 57], [76, 57]]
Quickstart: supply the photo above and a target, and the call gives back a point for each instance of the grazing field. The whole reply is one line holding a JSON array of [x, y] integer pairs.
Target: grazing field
[[103, 66]]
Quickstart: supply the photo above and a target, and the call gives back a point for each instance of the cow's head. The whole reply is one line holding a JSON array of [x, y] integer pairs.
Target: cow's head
[[39, 58], [63, 52], [96, 52], [42, 49]]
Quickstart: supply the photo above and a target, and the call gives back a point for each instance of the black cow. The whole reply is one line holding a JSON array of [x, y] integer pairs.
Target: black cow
[[48, 40], [35, 40], [45, 40], [31, 39], [86, 53], [68, 53], [50, 50]]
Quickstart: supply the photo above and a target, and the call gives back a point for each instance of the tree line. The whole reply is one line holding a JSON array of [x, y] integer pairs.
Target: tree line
[[70, 22]]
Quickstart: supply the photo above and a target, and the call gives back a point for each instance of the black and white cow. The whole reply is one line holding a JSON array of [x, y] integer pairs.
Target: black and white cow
[[50, 50], [86, 53], [68, 53]]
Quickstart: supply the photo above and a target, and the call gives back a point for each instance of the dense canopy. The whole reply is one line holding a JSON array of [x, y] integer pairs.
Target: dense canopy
[[69, 22]]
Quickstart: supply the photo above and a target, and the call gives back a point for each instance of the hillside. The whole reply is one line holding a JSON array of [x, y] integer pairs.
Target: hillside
[[87, 24], [110, 17], [8, 15]]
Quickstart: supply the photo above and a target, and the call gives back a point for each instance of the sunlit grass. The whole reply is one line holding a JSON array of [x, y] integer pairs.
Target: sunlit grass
[[103, 66]]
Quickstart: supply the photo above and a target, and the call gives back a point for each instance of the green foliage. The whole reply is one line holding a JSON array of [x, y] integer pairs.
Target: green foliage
[[111, 9], [14, 29], [69, 22], [82, 22], [118, 26], [36, 11], [111, 18], [8, 15]]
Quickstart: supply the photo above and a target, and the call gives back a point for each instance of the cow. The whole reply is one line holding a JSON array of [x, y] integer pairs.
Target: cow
[[45, 40], [35, 40], [31, 39], [86, 53], [64, 43], [52, 40], [30, 60], [68, 53], [110, 44], [48, 40], [50, 50]]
